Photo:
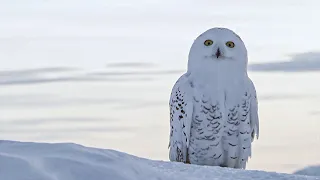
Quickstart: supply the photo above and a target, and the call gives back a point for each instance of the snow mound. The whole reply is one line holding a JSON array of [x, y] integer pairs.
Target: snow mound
[[309, 171], [67, 161]]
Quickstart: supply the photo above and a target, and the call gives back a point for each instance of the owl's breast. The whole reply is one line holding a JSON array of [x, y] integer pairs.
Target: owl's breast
[[215, 123], [206, 131]]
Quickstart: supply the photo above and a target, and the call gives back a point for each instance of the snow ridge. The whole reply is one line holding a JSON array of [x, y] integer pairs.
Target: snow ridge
[[68, 161]]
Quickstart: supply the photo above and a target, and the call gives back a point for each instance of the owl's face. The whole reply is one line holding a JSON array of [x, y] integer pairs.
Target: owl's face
[[218, 48]]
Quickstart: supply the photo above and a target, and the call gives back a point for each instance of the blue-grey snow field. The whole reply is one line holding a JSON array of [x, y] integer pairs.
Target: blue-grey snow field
[[68, 161], [310, 171]]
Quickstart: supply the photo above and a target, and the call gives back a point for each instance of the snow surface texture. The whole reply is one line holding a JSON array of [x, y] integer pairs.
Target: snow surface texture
[[309, 171], [67, 161]]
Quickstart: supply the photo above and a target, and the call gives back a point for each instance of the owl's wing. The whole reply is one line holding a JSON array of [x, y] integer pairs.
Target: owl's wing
[[248, 126], [254, 118], [181, 109]]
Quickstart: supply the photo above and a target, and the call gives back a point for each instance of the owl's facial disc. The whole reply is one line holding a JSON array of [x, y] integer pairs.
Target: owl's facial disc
[[217, 47]]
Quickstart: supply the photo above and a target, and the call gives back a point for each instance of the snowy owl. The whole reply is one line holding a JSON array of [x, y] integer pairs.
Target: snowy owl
[[213, 106]]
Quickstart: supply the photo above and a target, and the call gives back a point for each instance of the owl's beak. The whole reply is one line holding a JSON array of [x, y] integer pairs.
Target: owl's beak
[[218, 53]]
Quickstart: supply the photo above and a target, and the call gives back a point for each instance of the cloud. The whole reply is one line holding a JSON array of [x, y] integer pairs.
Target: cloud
[[130, 65], [304, 62], [50, 100], [130, 73], [285, 97], [143, 104], [315, 113], [62, 74], [40, 75], [23, 122], [68, 130], [37, 80], [37, 71]]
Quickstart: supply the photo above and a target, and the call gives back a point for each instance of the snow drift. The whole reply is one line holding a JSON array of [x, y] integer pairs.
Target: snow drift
[[310, 171], [67, 161]]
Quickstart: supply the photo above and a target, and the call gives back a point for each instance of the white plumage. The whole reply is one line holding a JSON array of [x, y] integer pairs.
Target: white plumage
[[213, 106]]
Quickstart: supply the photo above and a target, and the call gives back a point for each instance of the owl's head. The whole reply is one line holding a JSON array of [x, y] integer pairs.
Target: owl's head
[[218, 48]]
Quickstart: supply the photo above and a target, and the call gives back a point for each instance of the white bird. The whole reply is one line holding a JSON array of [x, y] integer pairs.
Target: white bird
[[213, 106]]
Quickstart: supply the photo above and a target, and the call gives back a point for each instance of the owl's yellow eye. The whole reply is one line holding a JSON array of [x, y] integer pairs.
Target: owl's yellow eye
[[208, 42], [230, 44]]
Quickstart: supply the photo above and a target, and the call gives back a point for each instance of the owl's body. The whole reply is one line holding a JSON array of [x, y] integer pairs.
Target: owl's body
[[213, 107]]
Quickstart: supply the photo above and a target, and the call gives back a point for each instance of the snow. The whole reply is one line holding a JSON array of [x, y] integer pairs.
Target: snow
[[310, 171], [69, 161]]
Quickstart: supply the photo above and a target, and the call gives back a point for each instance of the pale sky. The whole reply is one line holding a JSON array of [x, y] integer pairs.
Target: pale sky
[[79, 33]]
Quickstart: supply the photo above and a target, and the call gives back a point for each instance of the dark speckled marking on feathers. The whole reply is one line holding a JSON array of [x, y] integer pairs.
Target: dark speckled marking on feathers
[[220, 133], [178, 111], [208, 125]]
